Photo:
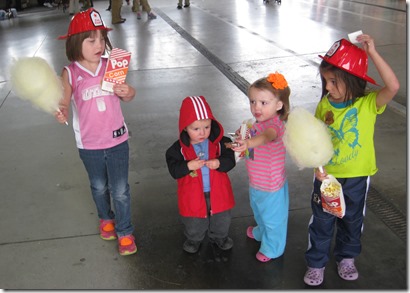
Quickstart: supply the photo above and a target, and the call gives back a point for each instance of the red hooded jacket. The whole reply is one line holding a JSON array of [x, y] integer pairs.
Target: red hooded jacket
[[191, 199]]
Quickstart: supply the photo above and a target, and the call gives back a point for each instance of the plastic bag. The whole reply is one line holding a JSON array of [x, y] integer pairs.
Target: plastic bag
[[333, 201]]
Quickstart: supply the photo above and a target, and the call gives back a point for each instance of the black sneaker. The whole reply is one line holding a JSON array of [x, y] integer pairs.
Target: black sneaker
[[179, 7], [224, 244], [186, 5], [191, 246]]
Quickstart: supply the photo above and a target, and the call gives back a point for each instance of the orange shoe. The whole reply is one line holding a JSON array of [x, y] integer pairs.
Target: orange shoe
[[107, 229], [126, 245]]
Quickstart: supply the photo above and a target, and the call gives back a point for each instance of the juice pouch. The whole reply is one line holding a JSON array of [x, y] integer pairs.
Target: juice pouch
[[116, 70], [332, 197]]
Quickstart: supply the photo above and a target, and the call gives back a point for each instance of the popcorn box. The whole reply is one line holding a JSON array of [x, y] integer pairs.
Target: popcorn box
[[332, 197], [116, 70]]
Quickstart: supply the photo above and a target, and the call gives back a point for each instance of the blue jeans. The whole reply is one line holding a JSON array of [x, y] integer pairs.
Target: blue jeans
[[108, 174]]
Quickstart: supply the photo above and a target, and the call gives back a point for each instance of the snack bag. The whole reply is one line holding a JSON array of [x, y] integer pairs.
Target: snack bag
[[244, 132], [332, 197], [116, 70]]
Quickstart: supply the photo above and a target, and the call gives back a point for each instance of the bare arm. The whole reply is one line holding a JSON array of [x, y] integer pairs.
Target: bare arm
[[391, 84], [263, 138], [64, 104]]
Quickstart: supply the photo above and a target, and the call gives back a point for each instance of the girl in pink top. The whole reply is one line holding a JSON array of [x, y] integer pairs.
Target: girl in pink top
[[268, 187], [100, 131]]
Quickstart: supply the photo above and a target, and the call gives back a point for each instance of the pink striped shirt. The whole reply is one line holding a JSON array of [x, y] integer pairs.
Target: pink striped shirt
[[266, 170]]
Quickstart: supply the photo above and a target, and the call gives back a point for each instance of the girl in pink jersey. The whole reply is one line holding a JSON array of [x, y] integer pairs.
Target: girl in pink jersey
[[268, 186], [100, 130]]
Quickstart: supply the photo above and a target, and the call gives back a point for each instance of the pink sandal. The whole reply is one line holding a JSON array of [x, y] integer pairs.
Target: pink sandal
[[261, 257], [249, 232]]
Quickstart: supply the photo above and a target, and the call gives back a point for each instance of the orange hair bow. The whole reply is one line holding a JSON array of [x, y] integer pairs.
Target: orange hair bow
[[277, 80]]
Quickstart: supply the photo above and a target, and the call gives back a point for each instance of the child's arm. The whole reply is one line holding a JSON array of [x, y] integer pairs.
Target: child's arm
[[178, 167], [64, 104], [124, 91], [263, 138], [387, 93]]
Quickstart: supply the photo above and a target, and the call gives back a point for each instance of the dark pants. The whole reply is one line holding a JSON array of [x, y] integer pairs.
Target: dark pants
[[217, 225], [349, 228]]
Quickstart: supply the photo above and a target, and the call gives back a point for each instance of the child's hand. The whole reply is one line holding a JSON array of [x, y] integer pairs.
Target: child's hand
[[61, 115], [212, 164], [124, 91], [367, 42], [243, 145], [196, 164], [319, 175]]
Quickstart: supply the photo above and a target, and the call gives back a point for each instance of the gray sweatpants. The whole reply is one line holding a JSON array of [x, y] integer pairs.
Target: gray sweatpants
[[217, 225]]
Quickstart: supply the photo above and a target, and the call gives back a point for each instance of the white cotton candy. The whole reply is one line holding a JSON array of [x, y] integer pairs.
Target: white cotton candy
[[34, 80], [307, 139]]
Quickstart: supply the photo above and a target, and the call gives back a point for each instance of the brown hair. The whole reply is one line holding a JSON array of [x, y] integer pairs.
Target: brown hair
[[281, 94], [74, 44], [355, 86]]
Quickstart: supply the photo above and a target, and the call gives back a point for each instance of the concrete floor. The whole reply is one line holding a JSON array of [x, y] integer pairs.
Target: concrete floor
[[48, 223]]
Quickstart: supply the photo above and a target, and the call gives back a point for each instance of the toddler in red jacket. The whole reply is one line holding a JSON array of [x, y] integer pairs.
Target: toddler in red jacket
[[199, 161]]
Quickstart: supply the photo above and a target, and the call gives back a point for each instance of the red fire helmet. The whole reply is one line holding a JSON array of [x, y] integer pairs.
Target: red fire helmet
[[348, 57], [89, 20]]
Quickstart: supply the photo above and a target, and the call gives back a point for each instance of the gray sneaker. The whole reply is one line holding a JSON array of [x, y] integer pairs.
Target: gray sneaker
[[152, 15], [191, 246], [224, 244]]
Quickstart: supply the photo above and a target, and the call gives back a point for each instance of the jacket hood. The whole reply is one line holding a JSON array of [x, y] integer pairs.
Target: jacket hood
[[197, 108]]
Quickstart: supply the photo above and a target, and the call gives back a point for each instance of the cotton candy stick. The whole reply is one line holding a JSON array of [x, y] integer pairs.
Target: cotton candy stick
[[59, 112], [307, 140], [34, 80]]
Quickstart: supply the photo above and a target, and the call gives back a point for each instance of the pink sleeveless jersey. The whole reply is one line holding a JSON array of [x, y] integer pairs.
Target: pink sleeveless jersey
[[98, 122]]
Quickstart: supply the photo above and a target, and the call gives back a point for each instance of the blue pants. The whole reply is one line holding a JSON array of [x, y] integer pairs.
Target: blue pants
[[108, 174], [270, 210], [349, 228]]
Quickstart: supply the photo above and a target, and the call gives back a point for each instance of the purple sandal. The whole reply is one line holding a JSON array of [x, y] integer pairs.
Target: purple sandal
[[314, 276], [347, 270]]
